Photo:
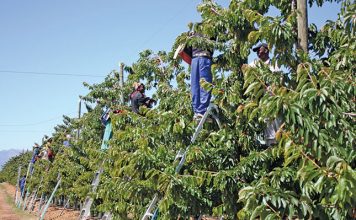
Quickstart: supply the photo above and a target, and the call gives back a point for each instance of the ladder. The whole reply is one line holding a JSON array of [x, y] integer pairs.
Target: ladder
[[40, 203], [59, 178], [107, 216], [29, 174], [85, 212], [181, 156], [23, 195], [17, 184], [34, 198], [25, 200]]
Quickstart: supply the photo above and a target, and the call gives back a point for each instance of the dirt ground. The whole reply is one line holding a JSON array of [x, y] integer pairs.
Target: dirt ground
[[8, 211]]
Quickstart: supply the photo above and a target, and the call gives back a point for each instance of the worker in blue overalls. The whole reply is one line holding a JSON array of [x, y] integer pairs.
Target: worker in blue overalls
[[200, 69]]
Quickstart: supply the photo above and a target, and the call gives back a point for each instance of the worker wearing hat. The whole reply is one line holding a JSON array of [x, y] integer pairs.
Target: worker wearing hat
[[36, 151], [262, 52], [272, 125]]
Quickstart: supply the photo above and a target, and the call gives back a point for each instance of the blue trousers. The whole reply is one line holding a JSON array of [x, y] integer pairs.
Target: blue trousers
[[200, 68], [107, 136]]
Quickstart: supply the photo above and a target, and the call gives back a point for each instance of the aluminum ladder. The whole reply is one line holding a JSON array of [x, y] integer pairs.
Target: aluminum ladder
[[181, 155], [85, 212], [59, 178]]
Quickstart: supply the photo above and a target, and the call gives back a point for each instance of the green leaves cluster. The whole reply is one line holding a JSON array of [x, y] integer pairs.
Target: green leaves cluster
[[9, 170], [309, 174]]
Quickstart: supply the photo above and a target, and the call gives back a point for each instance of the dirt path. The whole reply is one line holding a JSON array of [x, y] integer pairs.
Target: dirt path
[[8, 211]]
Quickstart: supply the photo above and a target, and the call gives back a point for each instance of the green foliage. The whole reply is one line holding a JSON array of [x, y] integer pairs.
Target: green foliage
[[309, 174], [9, 171]]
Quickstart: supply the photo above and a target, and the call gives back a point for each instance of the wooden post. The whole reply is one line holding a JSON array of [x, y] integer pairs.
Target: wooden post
[[302, 20], [79, 115], [121, 82]]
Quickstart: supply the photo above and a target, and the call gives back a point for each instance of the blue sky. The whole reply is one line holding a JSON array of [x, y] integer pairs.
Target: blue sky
[[87, 37]]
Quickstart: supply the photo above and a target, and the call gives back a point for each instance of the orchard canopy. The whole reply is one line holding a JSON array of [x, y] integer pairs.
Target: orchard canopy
[[309, 174]]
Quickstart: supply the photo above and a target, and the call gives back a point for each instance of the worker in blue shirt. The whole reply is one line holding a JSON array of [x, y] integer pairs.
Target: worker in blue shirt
[[22, 183]]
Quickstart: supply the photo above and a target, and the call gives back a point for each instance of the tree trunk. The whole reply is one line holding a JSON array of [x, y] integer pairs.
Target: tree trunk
[[302, 25]]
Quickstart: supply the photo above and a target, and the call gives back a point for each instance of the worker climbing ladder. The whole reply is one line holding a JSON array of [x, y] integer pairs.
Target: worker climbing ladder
[[105, 119], [181, 156], [21, 200], [29, 200]]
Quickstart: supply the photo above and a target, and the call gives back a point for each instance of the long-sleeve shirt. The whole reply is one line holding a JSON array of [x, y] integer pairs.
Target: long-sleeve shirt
[[138, 99], [272, 126], [267, 62], [36, 151]]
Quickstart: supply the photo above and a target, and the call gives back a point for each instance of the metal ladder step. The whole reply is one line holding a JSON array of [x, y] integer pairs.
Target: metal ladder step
[[179, 155], [51, 197], [150, 208], [85, 212], [96, 179], [107, 216]]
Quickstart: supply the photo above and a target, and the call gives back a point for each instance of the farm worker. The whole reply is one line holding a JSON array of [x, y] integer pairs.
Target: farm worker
[[262, 52], [22, 183], [46, 152], [36, 151], [106, 121], [66, 143], [50, 154], [272, 125], [35, 156], [200, 69], [138, 98]]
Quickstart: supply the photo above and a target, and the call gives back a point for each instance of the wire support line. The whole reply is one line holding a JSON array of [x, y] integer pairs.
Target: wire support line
[[35, 123], [22, 131], [51, 74]]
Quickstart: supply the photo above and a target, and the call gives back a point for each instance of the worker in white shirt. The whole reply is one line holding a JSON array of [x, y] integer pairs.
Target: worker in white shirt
[[272, 125]]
